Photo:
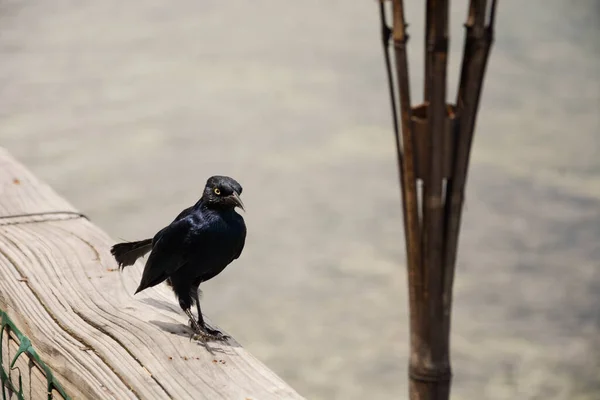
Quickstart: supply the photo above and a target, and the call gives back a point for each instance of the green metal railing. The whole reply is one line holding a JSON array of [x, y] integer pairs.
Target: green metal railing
[[25, 347]]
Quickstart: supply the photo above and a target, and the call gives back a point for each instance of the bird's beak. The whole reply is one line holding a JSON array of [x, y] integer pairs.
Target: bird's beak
[[235, 199]]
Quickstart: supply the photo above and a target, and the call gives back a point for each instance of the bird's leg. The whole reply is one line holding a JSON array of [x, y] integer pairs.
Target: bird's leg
[[214, 333], [200, 333], [194, 323]]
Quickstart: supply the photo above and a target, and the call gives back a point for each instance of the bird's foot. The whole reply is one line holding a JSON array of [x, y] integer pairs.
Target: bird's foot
[[206, 333], [206, 336], [216, 333]]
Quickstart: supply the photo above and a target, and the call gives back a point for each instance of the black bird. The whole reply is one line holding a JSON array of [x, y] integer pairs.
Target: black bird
[[194, 248]]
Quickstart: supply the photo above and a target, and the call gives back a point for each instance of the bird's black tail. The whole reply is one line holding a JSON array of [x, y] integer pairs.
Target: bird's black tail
[[127, 253]]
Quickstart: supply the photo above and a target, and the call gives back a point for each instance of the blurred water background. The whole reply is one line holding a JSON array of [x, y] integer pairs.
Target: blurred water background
[[126, 108]]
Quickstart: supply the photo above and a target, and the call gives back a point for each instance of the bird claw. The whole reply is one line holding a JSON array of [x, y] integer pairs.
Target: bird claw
[[206, 337], [202, 338], [206, 333], [216, 334]]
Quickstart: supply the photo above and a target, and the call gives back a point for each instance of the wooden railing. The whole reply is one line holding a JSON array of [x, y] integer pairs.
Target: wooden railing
[[60, 287]]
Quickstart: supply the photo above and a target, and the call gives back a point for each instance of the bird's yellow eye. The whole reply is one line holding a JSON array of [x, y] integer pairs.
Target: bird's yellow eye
[[217, 191]]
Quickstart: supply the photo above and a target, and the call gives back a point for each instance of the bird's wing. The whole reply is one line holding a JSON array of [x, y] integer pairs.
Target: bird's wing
[[179, 217], [184, 213], [169, 253]]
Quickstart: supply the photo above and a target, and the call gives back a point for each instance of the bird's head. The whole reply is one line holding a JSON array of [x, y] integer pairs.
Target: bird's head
[[223, 192]]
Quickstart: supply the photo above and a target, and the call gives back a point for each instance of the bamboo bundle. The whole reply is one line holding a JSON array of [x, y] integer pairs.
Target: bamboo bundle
[[433, 148]]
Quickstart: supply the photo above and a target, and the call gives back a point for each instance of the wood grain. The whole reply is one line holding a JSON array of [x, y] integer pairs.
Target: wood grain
[[60, 285]]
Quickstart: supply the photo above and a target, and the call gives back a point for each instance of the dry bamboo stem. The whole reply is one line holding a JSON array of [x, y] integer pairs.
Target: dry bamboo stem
[[409, 188], [406, 164], [431, 241], [438, 365], [476, 52]]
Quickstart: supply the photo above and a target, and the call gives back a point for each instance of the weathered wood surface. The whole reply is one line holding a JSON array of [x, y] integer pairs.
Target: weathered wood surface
[[60, 285]]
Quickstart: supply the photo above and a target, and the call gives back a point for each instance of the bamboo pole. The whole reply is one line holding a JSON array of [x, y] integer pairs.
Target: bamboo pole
[[477, 47], [438, 364], [433, 147], [409, 188]]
